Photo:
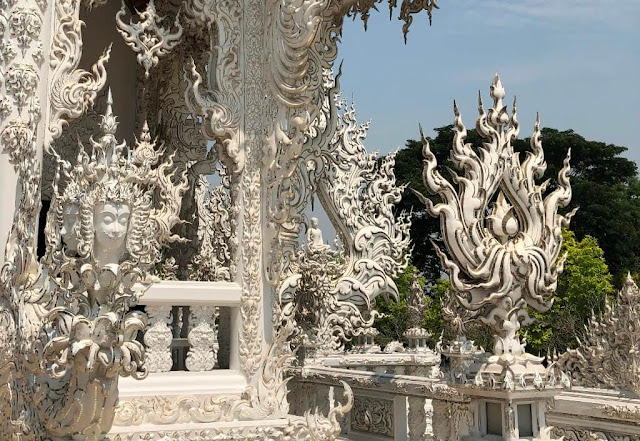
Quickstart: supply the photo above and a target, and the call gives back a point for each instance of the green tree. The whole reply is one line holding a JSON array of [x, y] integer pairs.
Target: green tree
[[395, 318], [582, 289]]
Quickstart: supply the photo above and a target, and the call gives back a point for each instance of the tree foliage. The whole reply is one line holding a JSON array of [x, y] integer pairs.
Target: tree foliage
[[393, 324], [582, 290]]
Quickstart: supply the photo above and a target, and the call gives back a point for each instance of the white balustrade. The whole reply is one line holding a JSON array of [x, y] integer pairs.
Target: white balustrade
[[182, 333], [203, 339]]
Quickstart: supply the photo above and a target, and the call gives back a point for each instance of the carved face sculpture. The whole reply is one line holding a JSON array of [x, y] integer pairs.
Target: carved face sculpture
[[111, 222], [69, 231]]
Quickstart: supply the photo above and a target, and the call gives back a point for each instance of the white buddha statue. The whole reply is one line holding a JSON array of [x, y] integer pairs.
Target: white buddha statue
[[315, 242]]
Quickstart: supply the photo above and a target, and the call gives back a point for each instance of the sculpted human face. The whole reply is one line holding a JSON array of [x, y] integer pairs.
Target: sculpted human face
[[69, 232], [111, 221]]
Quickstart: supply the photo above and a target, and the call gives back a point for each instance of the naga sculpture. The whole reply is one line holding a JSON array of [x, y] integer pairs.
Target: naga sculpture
[[502, 235], [112, 212]]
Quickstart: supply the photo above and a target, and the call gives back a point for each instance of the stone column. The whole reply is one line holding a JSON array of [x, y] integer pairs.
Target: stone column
[[25, 30], [441, 421], [400, 418]]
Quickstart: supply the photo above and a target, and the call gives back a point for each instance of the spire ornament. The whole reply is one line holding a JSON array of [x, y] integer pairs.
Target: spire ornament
[[501, 263]]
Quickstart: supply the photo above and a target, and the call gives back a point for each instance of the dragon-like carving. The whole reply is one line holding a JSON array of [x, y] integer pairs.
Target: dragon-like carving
[[358, 192], [73, 90]]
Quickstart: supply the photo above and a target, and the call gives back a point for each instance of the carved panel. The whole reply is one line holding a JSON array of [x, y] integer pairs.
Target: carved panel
[[372, 415]]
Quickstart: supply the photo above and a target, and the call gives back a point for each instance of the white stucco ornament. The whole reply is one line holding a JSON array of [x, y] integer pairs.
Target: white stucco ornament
[[506, 261]]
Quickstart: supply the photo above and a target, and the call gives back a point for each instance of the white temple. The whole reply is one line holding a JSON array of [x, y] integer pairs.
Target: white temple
[[161, 278]]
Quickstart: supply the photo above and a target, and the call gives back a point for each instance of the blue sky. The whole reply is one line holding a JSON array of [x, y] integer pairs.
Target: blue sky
[[577, 62]]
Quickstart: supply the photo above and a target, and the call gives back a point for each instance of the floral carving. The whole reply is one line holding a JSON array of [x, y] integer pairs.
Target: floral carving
[[158, 338], [203, 339], [17, 139], [147, 37], [25, 25], [21, 83]]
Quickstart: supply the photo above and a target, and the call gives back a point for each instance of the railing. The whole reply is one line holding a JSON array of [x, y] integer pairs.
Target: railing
[[386, 406], [185, 324], [191, 352]]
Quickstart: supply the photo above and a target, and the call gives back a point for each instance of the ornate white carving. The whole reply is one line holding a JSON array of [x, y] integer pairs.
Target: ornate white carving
[[609, 356], [372, 415], [25, 25], [73, 90], [147, 37], [212, 262], [158, 338], [498, 270], [77, 335], [219, 101], [203, 339], [572, 434], [358, 194]]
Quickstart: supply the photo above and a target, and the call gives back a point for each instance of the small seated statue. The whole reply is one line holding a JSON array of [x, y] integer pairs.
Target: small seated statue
[[315, 242]]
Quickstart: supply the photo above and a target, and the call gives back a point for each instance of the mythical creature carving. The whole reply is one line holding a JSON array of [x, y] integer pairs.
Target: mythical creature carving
[[609, 356], [502, 263], [77, 336]]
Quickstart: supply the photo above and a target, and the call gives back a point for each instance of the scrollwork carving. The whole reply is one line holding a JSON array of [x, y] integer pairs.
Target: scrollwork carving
[[147, 37], [498, 271], [609, 356], [73, 90], [373, 416]]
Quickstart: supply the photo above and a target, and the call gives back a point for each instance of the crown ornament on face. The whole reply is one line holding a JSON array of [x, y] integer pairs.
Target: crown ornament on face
[[140, 177]]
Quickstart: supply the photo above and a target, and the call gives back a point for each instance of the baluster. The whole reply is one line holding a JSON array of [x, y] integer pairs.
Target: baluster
[[417, 419], [429, 420], [203, 341], [158, 338]]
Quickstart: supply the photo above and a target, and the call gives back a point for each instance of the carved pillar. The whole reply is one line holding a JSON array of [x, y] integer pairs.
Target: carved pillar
[[203, 341], [25, 33], [417, 419], [158, 338], [400, 417]]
